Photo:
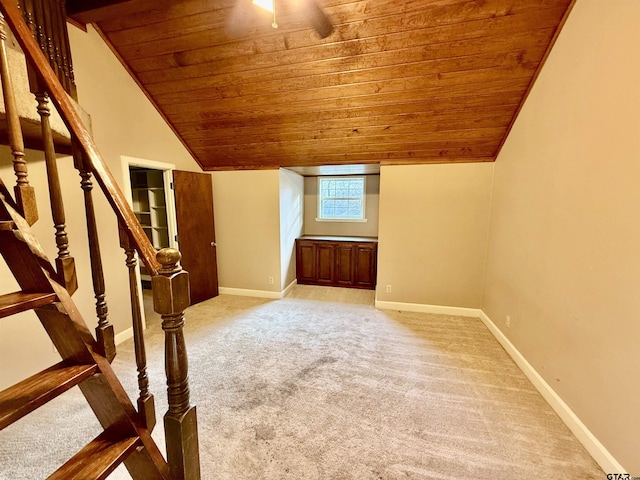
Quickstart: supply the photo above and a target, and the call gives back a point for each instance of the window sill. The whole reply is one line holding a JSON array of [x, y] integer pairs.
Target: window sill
[[341, 220]]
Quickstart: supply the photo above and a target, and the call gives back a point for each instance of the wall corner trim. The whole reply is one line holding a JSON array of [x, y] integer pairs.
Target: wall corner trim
[[288, 288], [599, 453], [423, 308]]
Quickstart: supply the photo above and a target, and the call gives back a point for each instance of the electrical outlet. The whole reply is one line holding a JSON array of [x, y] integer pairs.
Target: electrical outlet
[[388, 288], [270, 280], [508, 321]]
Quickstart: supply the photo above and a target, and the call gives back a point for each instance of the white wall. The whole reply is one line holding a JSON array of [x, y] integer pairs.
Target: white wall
[[25, 348], [291, 222], [355, 229], [433, 230], [259, 214], [124, 123], [564, 255], [247, 212]]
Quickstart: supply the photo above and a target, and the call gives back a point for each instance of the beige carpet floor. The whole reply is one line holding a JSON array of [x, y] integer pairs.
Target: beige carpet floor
[[321, 385]]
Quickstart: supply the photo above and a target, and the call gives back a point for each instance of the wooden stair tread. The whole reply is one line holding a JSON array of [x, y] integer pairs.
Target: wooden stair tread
[[98, 459], [33, 392], [12, 303], [6, 225]]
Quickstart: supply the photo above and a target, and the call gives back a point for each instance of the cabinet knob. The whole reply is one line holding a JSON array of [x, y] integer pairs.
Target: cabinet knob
[[214, 244]]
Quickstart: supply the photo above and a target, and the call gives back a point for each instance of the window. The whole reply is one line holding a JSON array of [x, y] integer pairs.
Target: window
[[341, 198]]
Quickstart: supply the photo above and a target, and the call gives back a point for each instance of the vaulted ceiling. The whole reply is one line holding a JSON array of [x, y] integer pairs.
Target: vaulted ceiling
[[397, 81]]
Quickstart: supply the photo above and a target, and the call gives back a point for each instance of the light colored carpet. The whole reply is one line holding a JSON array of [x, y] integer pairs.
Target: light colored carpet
[[321, 385]]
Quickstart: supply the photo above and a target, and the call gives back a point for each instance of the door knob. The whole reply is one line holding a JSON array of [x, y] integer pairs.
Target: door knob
[[214, 244]]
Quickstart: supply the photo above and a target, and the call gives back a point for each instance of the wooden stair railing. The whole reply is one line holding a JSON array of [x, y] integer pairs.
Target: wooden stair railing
[[126, 436], [76, 126]]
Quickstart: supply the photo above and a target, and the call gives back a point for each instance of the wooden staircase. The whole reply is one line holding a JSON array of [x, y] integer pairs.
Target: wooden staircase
[[124, 439], [46, 288]]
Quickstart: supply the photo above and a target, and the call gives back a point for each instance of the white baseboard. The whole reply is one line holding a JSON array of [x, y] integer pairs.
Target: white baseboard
[[422, 308], [244, 292], [124, 335], [599, 453]]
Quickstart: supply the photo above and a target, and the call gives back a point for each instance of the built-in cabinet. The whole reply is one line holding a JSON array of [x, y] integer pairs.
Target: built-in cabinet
[[149, 205], [337, 261]]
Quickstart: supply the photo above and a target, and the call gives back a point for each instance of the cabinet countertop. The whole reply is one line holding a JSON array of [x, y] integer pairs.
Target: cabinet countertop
[[332, 238]]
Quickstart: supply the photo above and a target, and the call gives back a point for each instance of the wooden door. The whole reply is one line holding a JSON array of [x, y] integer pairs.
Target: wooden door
[[196, 232]]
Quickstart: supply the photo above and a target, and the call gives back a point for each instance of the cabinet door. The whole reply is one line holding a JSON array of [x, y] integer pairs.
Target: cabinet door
[[305, 262], [325, 254], [365, 265], [344, 264]]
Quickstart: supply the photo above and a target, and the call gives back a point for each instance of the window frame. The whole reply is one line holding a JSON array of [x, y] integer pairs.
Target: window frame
[[319, 217]]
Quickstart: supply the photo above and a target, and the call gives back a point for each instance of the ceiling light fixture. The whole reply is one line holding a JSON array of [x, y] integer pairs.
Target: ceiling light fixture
[[269, 6]]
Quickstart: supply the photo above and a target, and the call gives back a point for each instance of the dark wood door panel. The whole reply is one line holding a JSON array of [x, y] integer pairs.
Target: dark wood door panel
[[365, 266], [325, 263], [344, 264], [196, 232], [305, 262]]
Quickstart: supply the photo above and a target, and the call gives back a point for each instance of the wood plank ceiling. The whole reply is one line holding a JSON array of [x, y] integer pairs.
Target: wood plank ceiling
[[398, 81]]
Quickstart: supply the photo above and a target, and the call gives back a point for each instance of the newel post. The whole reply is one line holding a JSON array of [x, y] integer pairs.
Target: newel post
[[170, 299]]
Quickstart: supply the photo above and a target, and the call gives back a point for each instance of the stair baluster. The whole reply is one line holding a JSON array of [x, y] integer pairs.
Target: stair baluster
[[146, 402], [104, 331], [38, 15], [51, 29], [170, 300], [65, 264], [47, 21], [27, 12], [43, 33], [62, 39], [24, 193]]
